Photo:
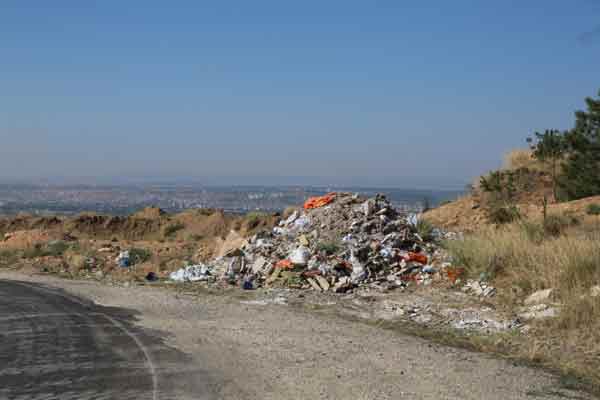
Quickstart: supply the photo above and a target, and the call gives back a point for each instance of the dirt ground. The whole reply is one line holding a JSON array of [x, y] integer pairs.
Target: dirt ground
[[260, 347]]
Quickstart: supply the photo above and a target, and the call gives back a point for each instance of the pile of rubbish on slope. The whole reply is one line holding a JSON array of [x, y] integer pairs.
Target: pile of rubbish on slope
[[338, 242]]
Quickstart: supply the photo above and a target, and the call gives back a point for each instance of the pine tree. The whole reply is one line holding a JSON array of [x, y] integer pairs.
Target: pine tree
[[581, 171], [550, 148]]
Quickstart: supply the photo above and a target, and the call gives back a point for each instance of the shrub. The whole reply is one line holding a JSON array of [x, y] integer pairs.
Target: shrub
[[593, 209], [194, 237], [503, 214], [57, 248], [254, 218], [555, 225], [52, 249], [170, 230], [138, 255], [425, 229], [8, 256]]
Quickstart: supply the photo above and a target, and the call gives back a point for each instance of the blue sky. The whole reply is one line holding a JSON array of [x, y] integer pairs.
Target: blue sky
[[391, 93]]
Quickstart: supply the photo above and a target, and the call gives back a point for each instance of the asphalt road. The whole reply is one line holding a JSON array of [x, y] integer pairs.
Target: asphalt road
[[57, 346]]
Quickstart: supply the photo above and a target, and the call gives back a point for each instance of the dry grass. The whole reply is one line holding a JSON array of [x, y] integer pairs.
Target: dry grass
[[523, 257], [521, 158]]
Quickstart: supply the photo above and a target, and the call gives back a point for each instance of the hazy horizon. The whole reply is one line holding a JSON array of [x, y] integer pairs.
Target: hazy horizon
[[266, 93]]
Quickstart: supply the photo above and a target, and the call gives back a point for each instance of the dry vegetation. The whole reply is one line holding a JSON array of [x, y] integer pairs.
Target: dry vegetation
[[89, 243], [542, 244]]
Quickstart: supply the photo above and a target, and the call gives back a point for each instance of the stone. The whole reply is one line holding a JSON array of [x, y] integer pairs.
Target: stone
[[300, 256], [259, 264], [538, 311], [342, 285], [538, 297], [322, 282], [595, 291], [314, 284], [368, 207], [303, 240]]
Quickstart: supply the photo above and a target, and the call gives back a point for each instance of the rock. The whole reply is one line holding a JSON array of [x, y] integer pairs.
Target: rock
[[303, 240], [259, 265], [538, 297], [342, 285], [595, 291], [300, 256], [538, 311], [358, 270], [368, 207], [314, 284], [322, 282]]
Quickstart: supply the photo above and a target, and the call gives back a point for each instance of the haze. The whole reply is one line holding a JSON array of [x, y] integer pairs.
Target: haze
[[418, 94]]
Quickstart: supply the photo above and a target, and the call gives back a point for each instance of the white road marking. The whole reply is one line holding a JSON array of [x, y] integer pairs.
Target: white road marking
[[119, 325]]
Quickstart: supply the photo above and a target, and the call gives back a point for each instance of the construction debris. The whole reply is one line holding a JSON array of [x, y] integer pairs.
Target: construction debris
[[191, 273], [337, 243]]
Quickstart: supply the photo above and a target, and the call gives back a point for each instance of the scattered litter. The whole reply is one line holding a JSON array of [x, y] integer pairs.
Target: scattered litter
[[264, 302], [123, 260], [191, 273], [151, 277], [538, 311]]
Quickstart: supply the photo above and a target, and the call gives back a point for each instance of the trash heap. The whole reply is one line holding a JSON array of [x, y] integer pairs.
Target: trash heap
[[338, 242]]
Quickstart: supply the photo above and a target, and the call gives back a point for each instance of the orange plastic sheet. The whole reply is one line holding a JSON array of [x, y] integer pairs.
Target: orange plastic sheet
[[455, 273], [319, 201], [417, 257], [284, 264]]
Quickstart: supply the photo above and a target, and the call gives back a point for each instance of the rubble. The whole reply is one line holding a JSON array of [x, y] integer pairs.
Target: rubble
[[538, 311], [337, 243], [191, 273], [479, 288]]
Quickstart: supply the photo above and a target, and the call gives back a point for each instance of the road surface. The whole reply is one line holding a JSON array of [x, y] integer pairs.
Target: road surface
[[54, 344]]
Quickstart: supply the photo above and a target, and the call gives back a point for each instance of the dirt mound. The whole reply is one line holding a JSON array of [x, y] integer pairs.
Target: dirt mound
[[149, 213], [468, 215], [463, 214], [26, 239], [28, 222]]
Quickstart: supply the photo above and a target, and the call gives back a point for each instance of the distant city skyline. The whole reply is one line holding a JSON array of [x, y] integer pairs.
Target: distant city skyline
[[386, 94]]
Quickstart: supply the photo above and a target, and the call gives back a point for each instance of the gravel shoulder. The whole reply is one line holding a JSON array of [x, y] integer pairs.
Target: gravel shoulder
[[261, 350]]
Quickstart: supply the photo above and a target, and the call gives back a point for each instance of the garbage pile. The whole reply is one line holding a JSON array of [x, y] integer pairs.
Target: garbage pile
[[338, 242]]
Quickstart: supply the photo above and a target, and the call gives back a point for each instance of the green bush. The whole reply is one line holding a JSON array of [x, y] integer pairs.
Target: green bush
[[593, 209], [533, 231], [170, 230], [52, 249], [503, 214], [555, 225], [56, 248], [329, 248], [138, 255], [8, 256], [424, 229], [254, 218]]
